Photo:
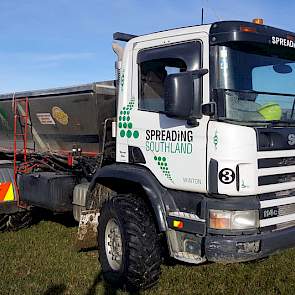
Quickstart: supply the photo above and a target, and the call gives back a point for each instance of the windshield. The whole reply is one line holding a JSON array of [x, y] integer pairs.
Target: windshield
[[257, 84]]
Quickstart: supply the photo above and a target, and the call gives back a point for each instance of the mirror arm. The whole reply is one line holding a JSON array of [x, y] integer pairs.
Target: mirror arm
[[199, 73], [209, 109], [193, 122]]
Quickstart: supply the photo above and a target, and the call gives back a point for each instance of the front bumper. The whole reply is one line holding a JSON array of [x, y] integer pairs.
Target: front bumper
[[228, 249]]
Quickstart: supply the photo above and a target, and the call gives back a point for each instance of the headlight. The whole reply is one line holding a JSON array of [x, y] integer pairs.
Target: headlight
[[223, 219]]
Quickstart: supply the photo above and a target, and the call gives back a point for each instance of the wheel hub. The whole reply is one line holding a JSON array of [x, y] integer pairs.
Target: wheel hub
[[113, 244]]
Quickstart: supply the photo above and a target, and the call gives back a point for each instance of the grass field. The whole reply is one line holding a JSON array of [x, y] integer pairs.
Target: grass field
[[43, 260]]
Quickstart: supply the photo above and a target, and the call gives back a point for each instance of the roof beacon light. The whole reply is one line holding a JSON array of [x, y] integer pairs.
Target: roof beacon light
[[258, 21]]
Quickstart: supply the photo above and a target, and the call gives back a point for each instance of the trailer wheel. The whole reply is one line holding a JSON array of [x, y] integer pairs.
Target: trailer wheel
[[19, 220], [129, 247], [3, 222]]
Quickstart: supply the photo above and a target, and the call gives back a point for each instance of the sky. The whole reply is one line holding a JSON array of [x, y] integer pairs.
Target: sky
[[56, 43]]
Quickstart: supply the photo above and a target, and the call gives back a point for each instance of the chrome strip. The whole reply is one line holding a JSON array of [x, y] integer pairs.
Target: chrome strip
[[277, 202], [276, 220], [186, 215]]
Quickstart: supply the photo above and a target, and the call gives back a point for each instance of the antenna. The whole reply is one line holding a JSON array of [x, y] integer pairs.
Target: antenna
[[202, 20], [207, 5]]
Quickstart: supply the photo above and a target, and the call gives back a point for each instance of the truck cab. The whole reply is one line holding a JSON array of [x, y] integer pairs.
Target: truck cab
[[205, 133]]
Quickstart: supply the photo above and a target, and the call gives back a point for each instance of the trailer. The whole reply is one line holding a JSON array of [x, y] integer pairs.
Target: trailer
[[51, 140], [190, 153]]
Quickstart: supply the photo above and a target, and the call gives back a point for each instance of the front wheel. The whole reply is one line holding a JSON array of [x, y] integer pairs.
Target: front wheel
[[129, 248]]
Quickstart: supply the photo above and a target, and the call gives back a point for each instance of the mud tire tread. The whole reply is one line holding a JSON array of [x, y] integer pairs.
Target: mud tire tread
[[141, 244], [20, 220], [3, 222]]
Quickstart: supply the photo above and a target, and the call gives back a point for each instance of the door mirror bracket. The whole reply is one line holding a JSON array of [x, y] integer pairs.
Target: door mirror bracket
[[193, 122], [208, 109]]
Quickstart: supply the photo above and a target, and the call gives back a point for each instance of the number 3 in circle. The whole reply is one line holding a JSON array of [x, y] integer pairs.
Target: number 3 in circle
[[227, 176]]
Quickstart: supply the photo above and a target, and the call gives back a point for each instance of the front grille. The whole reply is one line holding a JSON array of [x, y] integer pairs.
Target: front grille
[[276, 162], [285, 225], [286, 209], [266, 163], [277, 209], [276, 178], [277, 195]]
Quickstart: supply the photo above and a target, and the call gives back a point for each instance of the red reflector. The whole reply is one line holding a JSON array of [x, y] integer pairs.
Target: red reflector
[[70, 160], [178, 224]]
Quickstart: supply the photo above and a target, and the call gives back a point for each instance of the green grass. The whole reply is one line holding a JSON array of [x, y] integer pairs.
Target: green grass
[[43, 260]]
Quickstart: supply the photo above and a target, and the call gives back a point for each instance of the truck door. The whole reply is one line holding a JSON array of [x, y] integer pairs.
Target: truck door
[[171, 149]]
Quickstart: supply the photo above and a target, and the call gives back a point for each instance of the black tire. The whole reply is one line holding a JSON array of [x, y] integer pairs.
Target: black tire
[[20, 220], [141, 251], [3, 222]]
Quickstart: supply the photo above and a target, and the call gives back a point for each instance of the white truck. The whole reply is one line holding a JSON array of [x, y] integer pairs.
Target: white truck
[[204, 161]]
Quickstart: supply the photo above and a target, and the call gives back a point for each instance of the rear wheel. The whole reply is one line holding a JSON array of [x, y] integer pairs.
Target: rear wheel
[[15, 221], [19, 220], [129, 247], [3, 222]]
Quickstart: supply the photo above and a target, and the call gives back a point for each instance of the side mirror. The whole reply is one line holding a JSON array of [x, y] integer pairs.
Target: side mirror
[[183, 94]]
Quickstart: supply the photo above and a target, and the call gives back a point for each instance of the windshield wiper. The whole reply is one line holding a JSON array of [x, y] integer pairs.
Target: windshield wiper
[[278, 122], [266, 122], [257, 92]]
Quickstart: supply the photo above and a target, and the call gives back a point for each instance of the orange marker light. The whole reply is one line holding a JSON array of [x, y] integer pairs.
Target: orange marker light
[[247, 29], [258, 21], [218, 221], [178, 224]]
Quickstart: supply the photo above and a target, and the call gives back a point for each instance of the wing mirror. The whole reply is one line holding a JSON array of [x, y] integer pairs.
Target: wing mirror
[[183, 94]]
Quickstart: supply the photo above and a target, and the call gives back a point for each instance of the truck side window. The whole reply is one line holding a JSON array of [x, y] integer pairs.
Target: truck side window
[[156, 64], [153, 75]]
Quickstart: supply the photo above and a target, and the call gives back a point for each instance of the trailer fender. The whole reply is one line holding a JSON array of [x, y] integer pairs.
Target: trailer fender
[[119, 177]]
